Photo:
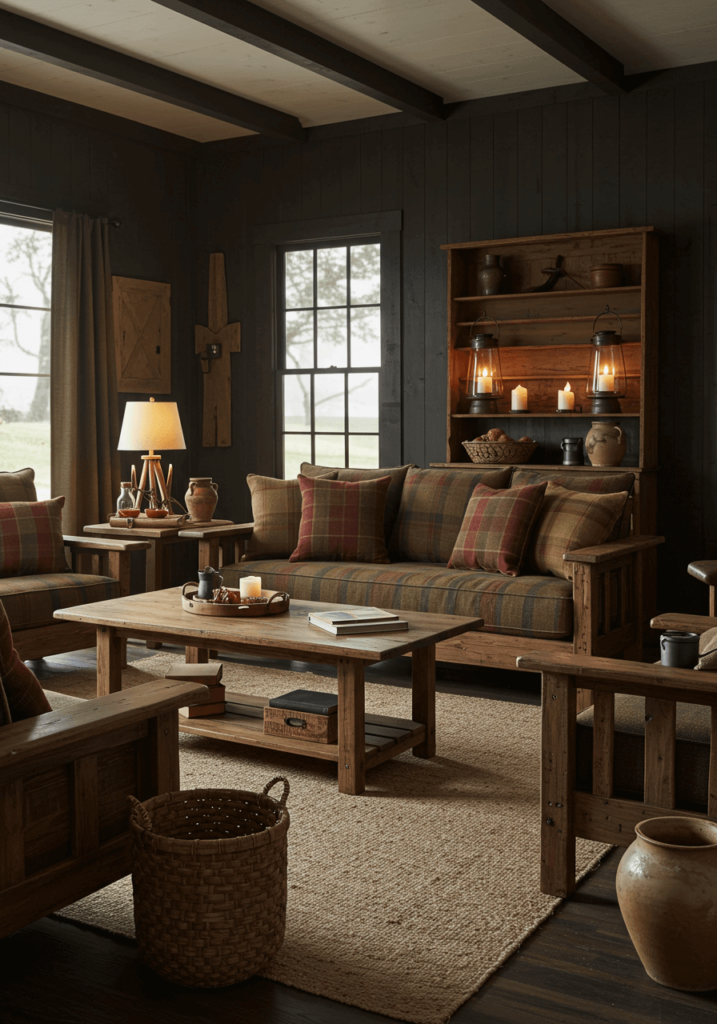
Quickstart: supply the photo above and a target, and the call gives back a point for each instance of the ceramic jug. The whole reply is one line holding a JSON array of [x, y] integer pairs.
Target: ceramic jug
[[201, 498], [572, 451], [490, 276], [209, 581], [606, 443]]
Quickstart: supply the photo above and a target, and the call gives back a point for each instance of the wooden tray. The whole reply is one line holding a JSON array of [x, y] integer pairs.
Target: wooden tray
[[277, 602], [146, 522]]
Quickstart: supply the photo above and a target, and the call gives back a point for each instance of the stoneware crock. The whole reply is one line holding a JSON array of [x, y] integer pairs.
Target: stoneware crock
[[667, 890], [201, 498]]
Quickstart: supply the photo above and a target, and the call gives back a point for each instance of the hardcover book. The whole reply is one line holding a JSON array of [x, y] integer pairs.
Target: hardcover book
[[353, 614], [308, 701], [349, 627]]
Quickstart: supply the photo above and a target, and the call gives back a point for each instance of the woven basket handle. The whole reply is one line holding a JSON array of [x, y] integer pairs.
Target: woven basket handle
[[284, 795], [140, 811]]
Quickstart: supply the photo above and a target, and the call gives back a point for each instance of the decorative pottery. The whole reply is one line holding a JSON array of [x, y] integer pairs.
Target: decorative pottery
[[667, 890], [490, 276], [201, 498], [606, 443], [606, 275], [679, 649], [209, 581], [156, 513]]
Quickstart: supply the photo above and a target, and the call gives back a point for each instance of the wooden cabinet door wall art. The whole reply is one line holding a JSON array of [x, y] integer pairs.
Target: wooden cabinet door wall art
[[142, 333]]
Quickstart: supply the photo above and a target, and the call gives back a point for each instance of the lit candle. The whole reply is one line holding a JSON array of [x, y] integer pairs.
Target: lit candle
[[606, 380], [566, 399], [250, 586], [519, 399], [484, 384]]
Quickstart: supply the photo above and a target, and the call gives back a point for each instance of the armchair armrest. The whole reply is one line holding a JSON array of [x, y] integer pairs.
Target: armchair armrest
[[608, 552], [86, 555], [219, 545], [688, 623], [99, 544]]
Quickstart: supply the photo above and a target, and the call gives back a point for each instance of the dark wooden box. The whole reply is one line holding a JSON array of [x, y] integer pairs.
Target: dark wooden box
[[301, 726]]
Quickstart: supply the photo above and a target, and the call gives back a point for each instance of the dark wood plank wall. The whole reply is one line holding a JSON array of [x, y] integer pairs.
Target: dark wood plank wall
[[646, 158]]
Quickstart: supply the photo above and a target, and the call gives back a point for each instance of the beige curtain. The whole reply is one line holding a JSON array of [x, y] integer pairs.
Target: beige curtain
[[85, 430]]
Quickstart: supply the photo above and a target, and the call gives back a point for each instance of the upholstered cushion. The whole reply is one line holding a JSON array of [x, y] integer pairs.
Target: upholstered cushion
[[708, 651], [570, 520], [393, 498], [496, 529], [24, 695], [590, 483], [18, 486], [433, 504], [31, 537], [31, 600], [539, 607], [276, 511], [342, 521]]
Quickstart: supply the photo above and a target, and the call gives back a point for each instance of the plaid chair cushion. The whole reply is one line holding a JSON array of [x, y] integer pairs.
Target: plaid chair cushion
[[538, 607], [24, 697], [276, 508], [496, 529], [590, 483], [31, 600], [342, 521], [31, 537], [393, 499], [433, 504], [570, 520], [18, 486]]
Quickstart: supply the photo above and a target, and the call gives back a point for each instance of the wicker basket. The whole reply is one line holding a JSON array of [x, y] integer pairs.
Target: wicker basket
[[209, 879], [500, 451]]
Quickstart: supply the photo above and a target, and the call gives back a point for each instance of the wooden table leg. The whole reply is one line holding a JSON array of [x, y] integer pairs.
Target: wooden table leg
[[352, 727], [196, 655], [154, 575], [109, 661], [424, 697], [557, 835]]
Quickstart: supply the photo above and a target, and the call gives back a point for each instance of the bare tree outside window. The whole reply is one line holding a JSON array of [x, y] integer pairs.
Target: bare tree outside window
[[332, 354], [25, 290]]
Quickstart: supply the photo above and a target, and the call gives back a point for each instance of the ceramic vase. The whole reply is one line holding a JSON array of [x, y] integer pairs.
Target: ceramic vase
[[490, 276], [201, 498], [606, 443], [667, 890]]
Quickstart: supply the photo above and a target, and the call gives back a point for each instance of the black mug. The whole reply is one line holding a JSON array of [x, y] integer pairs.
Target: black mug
[[679, 649], [572, 451]]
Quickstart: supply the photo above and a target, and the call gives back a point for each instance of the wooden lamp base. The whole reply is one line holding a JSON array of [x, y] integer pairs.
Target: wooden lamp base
[[153, 481]]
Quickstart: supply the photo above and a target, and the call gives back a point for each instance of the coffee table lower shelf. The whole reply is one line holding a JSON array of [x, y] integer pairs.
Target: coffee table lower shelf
[[385, 737]]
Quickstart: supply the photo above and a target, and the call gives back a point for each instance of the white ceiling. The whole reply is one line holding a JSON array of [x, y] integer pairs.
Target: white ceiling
[[451, 47]]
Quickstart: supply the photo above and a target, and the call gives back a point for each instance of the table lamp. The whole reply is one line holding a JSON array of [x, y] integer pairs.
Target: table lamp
[[150, 425]]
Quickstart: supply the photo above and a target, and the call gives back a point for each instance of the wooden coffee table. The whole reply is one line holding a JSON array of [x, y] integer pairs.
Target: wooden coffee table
[[160, 617]]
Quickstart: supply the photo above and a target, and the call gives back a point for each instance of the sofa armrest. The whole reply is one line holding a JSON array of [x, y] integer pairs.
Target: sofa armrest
[[610, 552], [102, 545], [221, 545]]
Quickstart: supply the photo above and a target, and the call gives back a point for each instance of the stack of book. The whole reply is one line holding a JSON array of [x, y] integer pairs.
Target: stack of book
[[210, 676], [347, 620]]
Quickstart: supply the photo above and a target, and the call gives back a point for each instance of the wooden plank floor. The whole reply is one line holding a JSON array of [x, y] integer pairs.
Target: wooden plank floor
[[578, 968]]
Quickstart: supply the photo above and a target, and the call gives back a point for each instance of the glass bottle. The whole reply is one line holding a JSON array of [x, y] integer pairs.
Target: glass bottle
[[125, 499]]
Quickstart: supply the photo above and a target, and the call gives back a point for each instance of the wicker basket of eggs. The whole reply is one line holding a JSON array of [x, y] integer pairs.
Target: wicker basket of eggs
[[496, 446]]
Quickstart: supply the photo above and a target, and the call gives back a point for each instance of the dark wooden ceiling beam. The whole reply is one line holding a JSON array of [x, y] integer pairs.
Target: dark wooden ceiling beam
[[543, 26], [276, 35], [67, 51]]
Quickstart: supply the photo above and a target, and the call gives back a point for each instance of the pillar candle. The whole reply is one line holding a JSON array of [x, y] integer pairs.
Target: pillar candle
[[566, 399], [519, 399], [250, 586], [484, 384], [606, 380]]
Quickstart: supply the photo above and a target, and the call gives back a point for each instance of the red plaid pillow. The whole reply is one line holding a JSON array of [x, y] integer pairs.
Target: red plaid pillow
[[496, 529], [25, 697], [31, 538], [342, 521]]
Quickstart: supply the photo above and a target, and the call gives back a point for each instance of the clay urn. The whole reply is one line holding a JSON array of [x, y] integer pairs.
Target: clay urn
[[606, 443], [201, 498], [667, 890], [490, 276]]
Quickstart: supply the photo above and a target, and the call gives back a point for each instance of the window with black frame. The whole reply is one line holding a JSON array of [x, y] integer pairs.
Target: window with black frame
[[330, 321]]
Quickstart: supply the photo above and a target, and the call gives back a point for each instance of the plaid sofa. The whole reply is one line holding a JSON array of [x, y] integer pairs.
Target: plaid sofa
[[427, 523]]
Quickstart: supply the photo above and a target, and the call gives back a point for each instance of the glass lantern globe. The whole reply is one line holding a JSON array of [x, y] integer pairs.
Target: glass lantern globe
[[607, 379], [484, 383]]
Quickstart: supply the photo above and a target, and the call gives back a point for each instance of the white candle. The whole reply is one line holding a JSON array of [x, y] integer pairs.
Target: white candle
[[519, 399], [250, 586], [566, 399], [484, 384], [606, 380]]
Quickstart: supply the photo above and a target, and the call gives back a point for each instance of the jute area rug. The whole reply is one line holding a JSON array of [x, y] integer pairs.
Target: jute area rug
[[404, 900]]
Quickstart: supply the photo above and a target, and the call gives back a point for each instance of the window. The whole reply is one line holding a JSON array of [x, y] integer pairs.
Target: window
[[330, 319], [25, 287]]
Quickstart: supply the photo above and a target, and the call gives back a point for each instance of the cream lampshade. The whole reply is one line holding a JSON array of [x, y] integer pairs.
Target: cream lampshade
[[152, 425]]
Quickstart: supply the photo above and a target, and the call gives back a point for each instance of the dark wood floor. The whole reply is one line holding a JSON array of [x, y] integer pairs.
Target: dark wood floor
[[578, 968]]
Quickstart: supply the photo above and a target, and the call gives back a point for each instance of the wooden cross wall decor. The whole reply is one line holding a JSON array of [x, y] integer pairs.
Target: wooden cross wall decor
[[217, 369]]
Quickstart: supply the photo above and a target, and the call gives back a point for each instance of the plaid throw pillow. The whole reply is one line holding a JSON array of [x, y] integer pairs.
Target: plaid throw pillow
[[18, 486], [276, 509], [433, 504], [590, 483], [393, 500], [496, 529], [342, 521], [570, 520], [24, 697], [31, 537]]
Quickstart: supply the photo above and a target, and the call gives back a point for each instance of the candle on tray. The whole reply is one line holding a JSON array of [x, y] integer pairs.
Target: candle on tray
[[250, 586], [519, 399], [606, 380], [566, 399], [484, 384]]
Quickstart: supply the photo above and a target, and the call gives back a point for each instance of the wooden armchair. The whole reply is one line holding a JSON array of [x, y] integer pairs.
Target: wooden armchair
[[64, 781], [567, 812]]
